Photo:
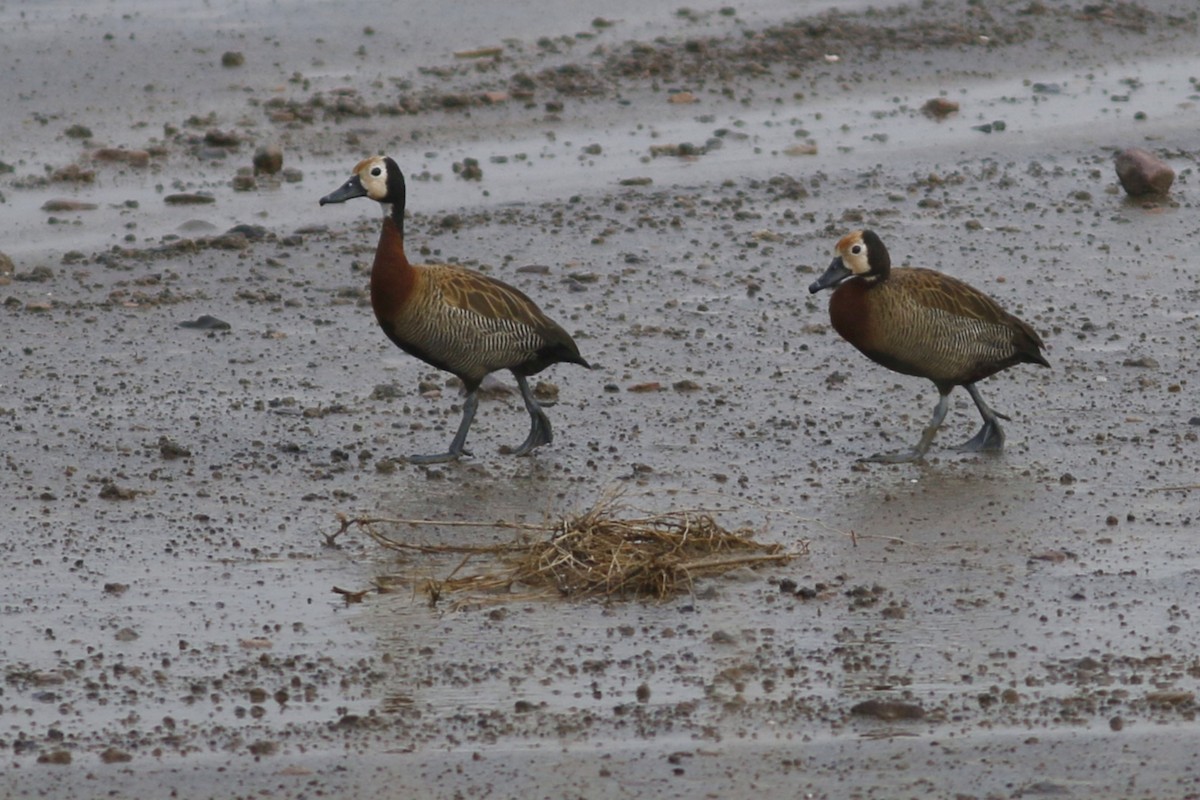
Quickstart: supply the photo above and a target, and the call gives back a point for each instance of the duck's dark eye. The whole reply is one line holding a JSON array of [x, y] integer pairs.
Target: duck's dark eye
[[856, 249], [377, 172]]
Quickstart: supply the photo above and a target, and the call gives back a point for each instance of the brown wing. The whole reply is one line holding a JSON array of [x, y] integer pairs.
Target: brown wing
[[938, 290], [477, 293], [932, 325], [471, 325]]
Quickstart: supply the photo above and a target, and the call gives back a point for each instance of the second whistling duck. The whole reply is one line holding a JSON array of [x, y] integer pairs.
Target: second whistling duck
[[924, 323]]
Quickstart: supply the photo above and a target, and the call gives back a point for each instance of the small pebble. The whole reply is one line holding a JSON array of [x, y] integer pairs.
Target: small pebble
[[268, 159]]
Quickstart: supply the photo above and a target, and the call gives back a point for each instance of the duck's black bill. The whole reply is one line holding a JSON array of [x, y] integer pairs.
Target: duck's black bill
[[835, 274], [347, 191]]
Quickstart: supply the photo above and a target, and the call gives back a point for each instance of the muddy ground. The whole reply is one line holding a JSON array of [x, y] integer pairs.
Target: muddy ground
[[666, 183]]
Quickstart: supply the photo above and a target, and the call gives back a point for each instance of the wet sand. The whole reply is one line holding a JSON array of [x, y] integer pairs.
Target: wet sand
[[666, 184]]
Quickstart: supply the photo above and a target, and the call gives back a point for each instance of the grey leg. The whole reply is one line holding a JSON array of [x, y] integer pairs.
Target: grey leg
[[990, 438], [457, 449], [917, 451], [540, 432]]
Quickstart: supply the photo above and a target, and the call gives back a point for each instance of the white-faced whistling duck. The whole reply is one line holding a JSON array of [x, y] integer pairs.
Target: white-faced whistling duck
[[921, 322], [452, 318]]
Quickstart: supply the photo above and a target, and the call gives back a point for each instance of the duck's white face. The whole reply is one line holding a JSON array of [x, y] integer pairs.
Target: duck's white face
[[376, 177], [854, 254], [372, 173], [860, 255]]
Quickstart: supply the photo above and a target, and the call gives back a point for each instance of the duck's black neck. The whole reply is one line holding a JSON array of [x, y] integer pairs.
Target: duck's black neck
[[396, 194], [878, 257]]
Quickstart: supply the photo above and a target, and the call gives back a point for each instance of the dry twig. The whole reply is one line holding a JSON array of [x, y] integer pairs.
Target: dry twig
[[594, 554]]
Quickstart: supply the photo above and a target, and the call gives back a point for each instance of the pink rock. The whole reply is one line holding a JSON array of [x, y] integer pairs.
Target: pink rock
[[1142, 172]]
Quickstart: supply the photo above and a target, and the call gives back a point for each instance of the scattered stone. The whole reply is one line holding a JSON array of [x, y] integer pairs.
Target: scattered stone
[[78, 131], [448, 102], [169, 449], [197, 226], [206, 322], [232, 59], [1048, 788], [48, 678], [1148, 362], [887, 710], [255, 643], [73, 173], [216, 137], [110, 491], [264, 748], [1171, 698], [62, 206], [114, 756], [188, 199], [480, 52], [468, 169], [254, 233], [1141, 172], [681, 150], [126, 635], [39, 274], [387, 392], [802, 149], [56, 757], [244, 183], [119, 155], [939, 108], [682, 98], [546, 392], [268, 159]]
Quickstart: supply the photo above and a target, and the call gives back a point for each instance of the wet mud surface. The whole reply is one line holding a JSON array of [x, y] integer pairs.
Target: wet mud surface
[[193, 388]]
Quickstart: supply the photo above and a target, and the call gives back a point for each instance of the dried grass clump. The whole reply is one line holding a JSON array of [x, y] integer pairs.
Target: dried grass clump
[[598, 554]]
